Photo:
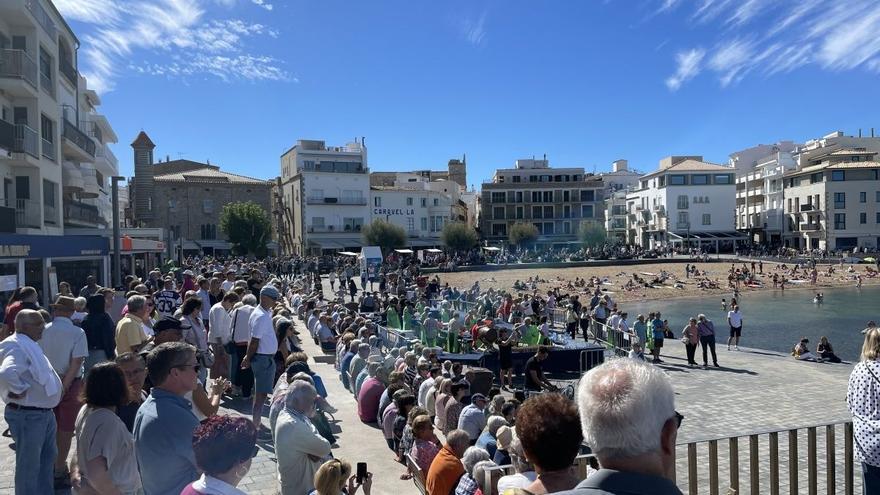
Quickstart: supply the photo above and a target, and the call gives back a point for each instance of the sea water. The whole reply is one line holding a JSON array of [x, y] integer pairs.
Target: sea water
[[776, 320]]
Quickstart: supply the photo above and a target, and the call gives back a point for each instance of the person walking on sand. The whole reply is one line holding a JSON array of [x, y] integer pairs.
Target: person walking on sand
[[734, 318]]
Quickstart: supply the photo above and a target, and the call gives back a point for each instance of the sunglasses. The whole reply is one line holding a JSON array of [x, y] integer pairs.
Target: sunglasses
[[678, 419], [195, 367]]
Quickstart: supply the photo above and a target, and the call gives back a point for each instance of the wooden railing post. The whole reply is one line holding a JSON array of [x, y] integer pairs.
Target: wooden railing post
[[734, 464], [713, 467], [792, 462], [848, 458], [774, 463], [830, 461], [812, 476], [692, 469], [754, 469]]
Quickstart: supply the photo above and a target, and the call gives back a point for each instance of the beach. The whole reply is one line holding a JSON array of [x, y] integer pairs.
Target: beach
[[615, 279]]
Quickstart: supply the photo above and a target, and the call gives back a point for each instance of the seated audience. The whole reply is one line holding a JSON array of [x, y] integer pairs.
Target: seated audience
[[446, 468]]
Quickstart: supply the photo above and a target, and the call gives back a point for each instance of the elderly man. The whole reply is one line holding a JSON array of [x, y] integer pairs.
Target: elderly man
[[220, 333], [300, 448], [130, 335], [90, 288], [446, 468], [628, 417], [325, 335], [66, 347], [260, 356], [164, 423], [31, 389], [472, 418], [358, 363], [242, 379]]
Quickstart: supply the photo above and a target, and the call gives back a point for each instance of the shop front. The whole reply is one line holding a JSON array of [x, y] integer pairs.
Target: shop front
[[42, 261]]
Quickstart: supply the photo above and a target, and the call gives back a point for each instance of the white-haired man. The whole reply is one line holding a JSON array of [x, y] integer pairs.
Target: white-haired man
[[300, 448], [629, 420]]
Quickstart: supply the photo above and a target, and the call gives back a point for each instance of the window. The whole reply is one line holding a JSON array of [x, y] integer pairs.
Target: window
[[352, 224], [498, 213], [840, 221], [410, 224], [519, 212], [838, 175], [46, 71], [317, 194], [878, 217], [855, 158], [877, 196], [863, 218], [172, 205], [677, 180], [683, 220], [536, 196], [699, 180], [48, 193], [519, 197], [566, 227], [588, 195], [587, 211], [377, 201], [548, 212], [409, 201], [566, 196], [817, 177], [661, 181], [723, 179], [707, 219], [547, 196], [318, 222], [208, 231], [424, 224], [863, 197], [497, 197], [548, 228], [425, 201], [499, 229], [537, 212], [436, 202], [682, 202], [516, 178], [207, 205], [839, 200]]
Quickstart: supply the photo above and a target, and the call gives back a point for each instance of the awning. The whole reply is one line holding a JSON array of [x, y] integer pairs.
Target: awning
[[434, 250], [710, 236], [491, 248], [133, 244], [335, 243], [404, 251], [348, 253]]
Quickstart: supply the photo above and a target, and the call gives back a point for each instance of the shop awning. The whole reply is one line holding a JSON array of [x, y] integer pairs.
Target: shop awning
[[491, 248], [404, 251], [335, 243], [347, 253], [432, 250], [135, 245]]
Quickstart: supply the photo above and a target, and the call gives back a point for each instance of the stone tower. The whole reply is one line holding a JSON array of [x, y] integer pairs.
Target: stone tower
[[142, 184], [458, 171]]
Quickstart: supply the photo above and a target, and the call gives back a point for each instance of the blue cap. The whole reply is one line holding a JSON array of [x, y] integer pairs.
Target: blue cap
[[270, 291]]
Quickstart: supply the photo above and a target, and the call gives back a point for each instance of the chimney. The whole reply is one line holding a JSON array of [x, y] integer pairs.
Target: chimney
[[167, 158], [872, 132], [860, 132]]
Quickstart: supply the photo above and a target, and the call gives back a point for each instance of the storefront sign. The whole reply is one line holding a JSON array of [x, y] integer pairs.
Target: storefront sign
[[8, 283], [394, 211], [52, 246]]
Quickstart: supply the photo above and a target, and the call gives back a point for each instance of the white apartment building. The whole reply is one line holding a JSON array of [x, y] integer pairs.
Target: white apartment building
[[47, 152], [832, 200], [760, 198], [324, 194], [686, 201], [619, 180], [422, 207]]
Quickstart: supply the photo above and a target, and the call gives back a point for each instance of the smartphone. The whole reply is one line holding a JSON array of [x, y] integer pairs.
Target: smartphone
[[361, 472]]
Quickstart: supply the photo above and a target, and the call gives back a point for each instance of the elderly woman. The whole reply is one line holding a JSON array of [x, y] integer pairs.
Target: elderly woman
[[467, 484], [104, 446], [334, 478], [479, 475], [524, 474], [550, 431], [690, 335], [224, 447], [487, 439], [862, 397], [425, 444]]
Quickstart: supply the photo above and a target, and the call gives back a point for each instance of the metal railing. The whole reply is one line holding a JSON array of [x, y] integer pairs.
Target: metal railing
[[42, 17], [106, 153], [27, 213], [72, 133], [91, 128], [760, 464], [67, 69], [47, 84], [48, 149], [25, 140], [76, 211], [18, 64]]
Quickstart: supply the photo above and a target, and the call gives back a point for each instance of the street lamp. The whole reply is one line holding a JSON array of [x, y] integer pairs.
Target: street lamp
[[117, 269]]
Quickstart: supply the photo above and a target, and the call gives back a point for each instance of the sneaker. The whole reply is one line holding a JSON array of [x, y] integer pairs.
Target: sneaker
[[728, 348], [329, 409], [717, 365], [736, 348]]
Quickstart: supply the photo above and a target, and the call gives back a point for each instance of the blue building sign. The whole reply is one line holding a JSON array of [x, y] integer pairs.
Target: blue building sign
[[52, 246]]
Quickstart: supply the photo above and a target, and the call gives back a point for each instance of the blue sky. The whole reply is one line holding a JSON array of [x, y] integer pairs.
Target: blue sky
[[586, 82]]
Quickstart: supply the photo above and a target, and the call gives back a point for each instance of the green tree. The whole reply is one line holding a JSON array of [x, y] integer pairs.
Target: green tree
[[247, 226], [457, 236], [592, 234], [522, 234], [384, 234]]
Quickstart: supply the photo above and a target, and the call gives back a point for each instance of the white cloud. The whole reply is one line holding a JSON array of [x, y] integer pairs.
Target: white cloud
[[176, 32], [264, 4], [474, 31], [835, 35], [689, 65]]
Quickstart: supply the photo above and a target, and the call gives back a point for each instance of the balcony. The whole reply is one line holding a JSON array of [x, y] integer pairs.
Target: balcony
[[810, 227], [77, 212], [807, 207], [78, 146], [7, 135], [25, 140], [660, 210], [337, 201], [42, 17], [66, 68], [50, 215], [48, 149], [27, 213], [17, 64], [105, 160]]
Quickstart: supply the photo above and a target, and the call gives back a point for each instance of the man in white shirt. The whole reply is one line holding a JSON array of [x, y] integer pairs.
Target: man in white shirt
[[229, 283], [66, 347], [299, 447], [220, 333], [734, 319], [242, 379], [260, 357], [31, 389], [426, 386]]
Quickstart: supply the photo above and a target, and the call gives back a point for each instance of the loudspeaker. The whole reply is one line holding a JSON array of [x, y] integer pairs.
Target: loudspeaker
[[480, 379]]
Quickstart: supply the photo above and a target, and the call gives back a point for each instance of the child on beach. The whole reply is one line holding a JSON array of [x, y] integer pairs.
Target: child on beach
[[723, 304]]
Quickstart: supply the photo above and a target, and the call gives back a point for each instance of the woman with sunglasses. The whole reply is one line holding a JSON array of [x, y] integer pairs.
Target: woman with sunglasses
[[224, 447]]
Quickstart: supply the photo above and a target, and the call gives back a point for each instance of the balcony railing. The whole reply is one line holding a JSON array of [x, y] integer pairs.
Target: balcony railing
[[17, 64], [81, 212], [336, 201], [335, 228], [25, 141], [27, 213], [47, 85], [807, 207], [92, 129], [7, 135], [48, 148], [810, 227], [42, 17], [682, 225], [78, 137], [106, 153], [50, 214], [67, 69]]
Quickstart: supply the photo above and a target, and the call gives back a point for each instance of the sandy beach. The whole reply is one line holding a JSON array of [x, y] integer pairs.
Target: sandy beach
[[616, 277]]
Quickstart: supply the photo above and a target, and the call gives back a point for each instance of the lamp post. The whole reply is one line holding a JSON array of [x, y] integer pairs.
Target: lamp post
[[114, 191]]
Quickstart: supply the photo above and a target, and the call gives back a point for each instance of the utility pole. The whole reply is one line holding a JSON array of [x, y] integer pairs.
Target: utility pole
[[114, 197]]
